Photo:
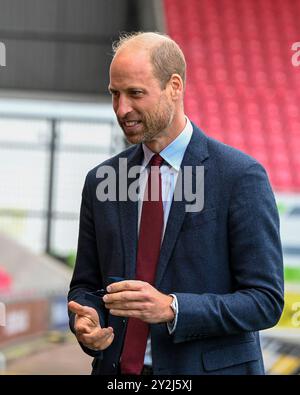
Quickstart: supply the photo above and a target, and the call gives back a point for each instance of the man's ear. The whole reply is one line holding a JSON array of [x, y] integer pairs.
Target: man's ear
[[176, 86]]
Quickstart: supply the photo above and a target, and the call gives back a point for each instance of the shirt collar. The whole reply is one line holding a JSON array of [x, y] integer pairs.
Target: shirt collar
[[174, 152]]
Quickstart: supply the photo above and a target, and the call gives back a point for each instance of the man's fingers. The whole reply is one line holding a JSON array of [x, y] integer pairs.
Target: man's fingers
[[84, 313], [127, 285], [125, 296], [99, 339], [77, 308], [103, 344], [97, 335], [84, 325]]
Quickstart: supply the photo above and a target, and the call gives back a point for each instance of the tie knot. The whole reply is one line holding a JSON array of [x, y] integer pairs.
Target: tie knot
[[156, 160]]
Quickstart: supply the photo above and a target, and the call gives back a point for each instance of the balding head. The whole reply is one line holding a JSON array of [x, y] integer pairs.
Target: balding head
[[165, 55]]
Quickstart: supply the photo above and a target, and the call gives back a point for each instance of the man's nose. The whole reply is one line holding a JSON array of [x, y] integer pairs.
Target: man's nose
[[123, 107]]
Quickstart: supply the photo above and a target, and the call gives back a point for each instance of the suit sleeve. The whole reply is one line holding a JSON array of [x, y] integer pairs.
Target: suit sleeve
[[87, 276], [256, 302]]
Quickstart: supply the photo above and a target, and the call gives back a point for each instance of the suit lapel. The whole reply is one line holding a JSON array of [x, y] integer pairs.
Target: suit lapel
[[195, 154], [129, 218]]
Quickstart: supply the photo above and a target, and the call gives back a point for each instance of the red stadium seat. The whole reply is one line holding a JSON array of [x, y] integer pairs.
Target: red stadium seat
[[242, 87]]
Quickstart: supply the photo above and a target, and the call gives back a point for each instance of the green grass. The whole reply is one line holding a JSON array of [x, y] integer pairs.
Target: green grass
[[292, 274]]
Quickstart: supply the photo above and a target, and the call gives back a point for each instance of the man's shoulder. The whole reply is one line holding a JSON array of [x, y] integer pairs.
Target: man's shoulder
[[230, 161], [230, 154], [226, 154], [113, 161]]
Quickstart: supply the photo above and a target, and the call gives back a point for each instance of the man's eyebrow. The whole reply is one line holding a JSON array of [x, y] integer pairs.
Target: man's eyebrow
[[135, 88], [129, 89]]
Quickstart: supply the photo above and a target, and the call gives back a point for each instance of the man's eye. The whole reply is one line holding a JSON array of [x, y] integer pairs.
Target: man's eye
[[136, 93]]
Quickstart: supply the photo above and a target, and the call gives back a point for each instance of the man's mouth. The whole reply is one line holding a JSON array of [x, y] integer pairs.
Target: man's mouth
[[131, 123]]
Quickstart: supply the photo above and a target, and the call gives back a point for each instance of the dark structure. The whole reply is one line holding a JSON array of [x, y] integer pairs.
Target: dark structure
[[65, 45]]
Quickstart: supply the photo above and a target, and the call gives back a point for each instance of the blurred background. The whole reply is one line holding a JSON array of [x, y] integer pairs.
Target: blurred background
[[56, 123]]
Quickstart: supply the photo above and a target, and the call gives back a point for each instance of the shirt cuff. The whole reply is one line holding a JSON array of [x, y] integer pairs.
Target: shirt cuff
[[172, 325]]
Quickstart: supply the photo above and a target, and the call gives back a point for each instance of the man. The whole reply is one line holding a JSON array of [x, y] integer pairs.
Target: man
[[196, 284]]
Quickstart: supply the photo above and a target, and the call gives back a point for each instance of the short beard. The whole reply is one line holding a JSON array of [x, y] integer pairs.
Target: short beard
[[158, 121], [154, 122]]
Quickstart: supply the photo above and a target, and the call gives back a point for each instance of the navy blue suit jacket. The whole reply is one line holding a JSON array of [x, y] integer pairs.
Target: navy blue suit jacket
[[223, 263]]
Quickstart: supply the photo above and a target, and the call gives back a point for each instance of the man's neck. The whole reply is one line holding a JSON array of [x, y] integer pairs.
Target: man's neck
[[161, 141]]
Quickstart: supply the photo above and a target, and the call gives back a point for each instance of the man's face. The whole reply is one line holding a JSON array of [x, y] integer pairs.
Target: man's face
[[142, 108]]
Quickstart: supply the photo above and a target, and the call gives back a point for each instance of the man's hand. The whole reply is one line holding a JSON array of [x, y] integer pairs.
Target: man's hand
[[87, 328], [138, 299]]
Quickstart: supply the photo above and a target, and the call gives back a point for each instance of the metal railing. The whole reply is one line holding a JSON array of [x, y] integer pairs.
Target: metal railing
[[45, 153]]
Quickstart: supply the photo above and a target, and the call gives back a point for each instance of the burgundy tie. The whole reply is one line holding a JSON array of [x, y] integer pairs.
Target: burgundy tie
[[151, 227]]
